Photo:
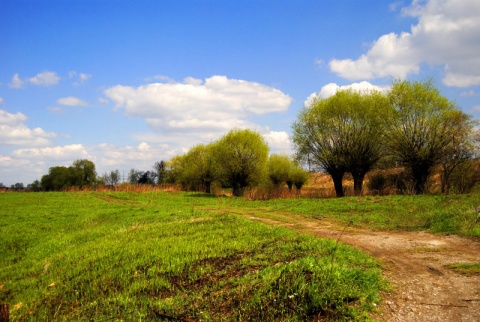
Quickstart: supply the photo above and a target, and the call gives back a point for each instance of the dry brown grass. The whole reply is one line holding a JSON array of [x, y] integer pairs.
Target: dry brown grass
[[127, 187]]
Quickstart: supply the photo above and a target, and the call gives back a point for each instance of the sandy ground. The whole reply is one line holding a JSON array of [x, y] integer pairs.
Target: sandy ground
[[414, 262]]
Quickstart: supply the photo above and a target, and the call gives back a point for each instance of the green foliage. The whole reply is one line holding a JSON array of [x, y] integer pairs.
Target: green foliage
[[343, 133], [423, 128], [464, 177], [160, 169], [82, 173], [279, 168], [243, 159], [158, 256], [199, 168], [35, 186], [298, 176], [413, 125]]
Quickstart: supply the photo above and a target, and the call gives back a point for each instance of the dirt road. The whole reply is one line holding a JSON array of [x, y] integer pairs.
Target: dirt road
[[414, 262]]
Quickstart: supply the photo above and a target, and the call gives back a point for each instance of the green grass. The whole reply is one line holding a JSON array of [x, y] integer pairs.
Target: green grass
[[466, 268], [159, 256], [455, 214]]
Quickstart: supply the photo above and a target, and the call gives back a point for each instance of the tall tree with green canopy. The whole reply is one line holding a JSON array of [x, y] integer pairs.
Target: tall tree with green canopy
[[343, 133], [199, 165], [242, 156], [85, 172], [423, 127], [81, 173]]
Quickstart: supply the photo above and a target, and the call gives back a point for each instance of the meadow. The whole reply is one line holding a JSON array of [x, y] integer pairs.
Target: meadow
[[172, 256]]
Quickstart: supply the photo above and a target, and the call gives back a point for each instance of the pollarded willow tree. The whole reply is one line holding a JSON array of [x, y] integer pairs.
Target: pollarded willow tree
[[343, 133], [423, 128], [199, 166], [282, 169], [279, 166], [242, 156]]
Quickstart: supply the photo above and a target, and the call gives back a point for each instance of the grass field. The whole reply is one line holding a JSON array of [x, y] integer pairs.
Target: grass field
[[108, 256]]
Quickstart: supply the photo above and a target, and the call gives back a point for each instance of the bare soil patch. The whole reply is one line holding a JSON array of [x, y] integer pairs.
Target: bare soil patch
[[423, 289]]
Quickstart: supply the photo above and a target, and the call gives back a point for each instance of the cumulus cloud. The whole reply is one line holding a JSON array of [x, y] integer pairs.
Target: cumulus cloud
[[44, 79], [446, 35], [71, 101], [215, 104], [278, 141], [331, 88], [15, 132]]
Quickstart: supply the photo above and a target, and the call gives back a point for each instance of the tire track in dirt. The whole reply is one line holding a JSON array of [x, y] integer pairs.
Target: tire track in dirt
[[414, 262]]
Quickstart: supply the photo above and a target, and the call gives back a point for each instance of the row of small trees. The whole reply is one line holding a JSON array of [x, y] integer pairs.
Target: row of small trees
[[413, 126], [238, 160]]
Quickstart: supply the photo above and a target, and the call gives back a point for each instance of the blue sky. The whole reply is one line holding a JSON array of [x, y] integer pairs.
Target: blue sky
[[128, 83]]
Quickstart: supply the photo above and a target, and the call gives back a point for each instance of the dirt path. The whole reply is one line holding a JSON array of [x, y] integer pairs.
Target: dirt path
[[414, 262]]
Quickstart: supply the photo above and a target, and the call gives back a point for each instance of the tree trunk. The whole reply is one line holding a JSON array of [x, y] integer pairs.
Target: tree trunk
[[358, 183], [208, 186], [337, 178], [237, 190], [290, 185], [444, 180], [420, 176]]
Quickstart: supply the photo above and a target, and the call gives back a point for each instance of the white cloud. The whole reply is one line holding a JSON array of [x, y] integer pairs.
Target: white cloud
[[15, 132], [141, 157], [214, 105], [11, 119], [331, 88], [71, 101], [58, 153], [45, 79], [28, 164], [446, 35], [16, 82], [278, 141], [1, 100]]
